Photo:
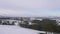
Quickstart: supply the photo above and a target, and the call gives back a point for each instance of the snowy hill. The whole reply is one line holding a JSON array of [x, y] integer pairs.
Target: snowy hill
[[5, 29]]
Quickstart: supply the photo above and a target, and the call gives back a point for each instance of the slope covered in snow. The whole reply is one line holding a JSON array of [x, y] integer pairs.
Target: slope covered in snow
[[5, 29]]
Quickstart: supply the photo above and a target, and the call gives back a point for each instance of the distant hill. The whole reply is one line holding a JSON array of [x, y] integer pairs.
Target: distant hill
[[50, 17]]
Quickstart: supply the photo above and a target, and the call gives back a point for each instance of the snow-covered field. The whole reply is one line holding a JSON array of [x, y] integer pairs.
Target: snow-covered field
[[13, 29]]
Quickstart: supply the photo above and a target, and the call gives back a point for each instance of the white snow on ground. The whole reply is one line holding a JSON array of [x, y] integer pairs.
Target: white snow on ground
[[5, 29]]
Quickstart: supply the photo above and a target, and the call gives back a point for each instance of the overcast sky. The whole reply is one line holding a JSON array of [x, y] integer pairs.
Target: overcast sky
[[30, 7]]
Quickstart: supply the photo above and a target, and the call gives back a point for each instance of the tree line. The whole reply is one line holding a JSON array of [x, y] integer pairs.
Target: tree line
[[44, 25]]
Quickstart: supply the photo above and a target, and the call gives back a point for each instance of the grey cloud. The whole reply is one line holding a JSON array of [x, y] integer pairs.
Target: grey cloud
[[28, 7]]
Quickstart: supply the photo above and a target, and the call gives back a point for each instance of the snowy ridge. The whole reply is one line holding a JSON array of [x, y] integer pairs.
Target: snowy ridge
[[5, 29]]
